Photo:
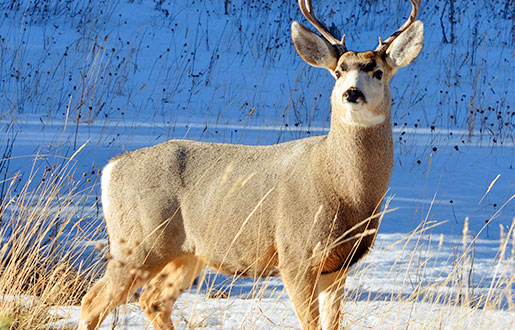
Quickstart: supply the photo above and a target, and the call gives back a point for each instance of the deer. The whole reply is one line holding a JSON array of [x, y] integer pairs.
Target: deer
[[306, 210]]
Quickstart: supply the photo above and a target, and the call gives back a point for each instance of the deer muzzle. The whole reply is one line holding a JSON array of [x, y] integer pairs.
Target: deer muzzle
[[354, 95]]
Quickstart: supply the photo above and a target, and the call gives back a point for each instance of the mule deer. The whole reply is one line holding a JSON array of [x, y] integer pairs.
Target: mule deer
[[305, 209]]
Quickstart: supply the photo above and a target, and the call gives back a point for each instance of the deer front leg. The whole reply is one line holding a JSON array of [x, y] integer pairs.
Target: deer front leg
[[330, 292], [301, 287]]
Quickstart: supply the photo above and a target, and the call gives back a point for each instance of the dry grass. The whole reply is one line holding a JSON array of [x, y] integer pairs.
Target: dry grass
[[42, 246], [451, 298], [42, 243]]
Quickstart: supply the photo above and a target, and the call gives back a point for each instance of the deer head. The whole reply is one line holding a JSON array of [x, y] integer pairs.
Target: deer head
[[361, 93]]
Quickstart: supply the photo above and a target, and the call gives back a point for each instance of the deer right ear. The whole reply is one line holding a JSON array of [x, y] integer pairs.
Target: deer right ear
[[312, 48]]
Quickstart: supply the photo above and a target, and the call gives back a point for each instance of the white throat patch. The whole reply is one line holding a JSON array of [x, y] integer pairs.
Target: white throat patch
[[360, 116]]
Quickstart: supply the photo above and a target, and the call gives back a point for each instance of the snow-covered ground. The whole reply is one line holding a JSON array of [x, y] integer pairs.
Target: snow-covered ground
[[118, 75]]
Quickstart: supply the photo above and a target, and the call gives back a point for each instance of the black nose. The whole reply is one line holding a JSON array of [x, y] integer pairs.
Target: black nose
[[353, 95]]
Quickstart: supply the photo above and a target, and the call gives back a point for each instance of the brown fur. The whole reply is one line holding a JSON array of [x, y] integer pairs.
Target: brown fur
[[306, 208]]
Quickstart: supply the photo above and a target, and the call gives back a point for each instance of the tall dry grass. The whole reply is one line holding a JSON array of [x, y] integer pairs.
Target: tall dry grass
[[44, 256], [45, 261], [431, 281]]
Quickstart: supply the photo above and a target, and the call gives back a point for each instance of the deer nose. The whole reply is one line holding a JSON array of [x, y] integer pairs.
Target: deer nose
[[353, 95]]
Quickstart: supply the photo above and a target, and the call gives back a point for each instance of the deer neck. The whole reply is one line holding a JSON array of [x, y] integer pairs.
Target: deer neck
[[359, 160]]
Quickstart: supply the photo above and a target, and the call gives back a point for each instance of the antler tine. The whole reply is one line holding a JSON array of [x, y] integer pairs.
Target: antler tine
[[383, 44], [307, 10]]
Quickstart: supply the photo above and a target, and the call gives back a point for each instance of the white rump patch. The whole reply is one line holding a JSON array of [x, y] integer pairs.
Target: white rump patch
[[104, 184]]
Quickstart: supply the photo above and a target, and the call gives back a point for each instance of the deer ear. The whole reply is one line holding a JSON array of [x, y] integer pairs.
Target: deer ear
[[406, 47], [312, 48]]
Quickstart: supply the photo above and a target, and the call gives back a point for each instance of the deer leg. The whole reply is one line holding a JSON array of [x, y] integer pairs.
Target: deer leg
[[117, 285], [160, 294], [330, 292], [301, 287]]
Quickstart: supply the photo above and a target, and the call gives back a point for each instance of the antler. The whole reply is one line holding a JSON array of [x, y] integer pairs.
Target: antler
[[383, 45], [307, 11]]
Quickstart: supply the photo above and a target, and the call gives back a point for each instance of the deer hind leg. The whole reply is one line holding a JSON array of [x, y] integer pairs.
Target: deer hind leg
[[117, 285], [160, 294], [301, 287], [330, 292]]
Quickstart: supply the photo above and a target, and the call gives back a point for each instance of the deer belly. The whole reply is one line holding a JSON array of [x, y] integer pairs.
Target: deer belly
[[251, 263]]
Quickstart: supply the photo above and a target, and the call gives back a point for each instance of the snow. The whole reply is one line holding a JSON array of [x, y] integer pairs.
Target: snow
[[389, 290], [120, 75], [274, 314]]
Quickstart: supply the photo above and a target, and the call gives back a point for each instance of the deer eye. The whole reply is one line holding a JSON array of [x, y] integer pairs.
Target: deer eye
[[378, 74], [337, 74]]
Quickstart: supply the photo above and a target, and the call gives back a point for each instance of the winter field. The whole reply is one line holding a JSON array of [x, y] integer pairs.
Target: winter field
[[82, 81]]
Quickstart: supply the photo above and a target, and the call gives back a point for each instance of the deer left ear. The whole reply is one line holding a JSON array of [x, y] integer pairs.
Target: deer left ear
[[406, 47]]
